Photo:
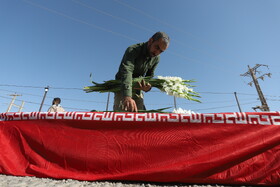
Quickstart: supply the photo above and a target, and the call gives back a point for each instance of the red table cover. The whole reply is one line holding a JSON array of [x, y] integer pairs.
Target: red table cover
[[214, 148]]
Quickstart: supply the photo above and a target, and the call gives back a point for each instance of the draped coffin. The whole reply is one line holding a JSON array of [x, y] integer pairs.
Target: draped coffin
[[214, 148]]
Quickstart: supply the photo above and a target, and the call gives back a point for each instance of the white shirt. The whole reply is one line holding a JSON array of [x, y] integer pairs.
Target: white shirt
[[56, 108]]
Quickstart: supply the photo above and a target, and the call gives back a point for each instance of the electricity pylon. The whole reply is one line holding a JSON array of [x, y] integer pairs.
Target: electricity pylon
[[12, 103], [252, 72]]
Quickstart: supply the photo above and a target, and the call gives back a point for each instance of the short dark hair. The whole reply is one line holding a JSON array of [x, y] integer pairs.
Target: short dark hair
[[159, 35], [56, 99]]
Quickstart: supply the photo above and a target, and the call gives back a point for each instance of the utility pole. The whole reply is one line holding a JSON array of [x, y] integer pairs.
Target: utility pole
[[108, 100], [237, 102], [175, 104], [12, 103], [252, 72], [46, 91]]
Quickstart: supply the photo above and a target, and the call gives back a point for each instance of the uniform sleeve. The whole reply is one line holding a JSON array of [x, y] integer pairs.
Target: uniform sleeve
[[126, 70]]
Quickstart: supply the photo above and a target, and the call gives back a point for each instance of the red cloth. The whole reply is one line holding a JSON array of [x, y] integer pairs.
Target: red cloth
[[223, 148]]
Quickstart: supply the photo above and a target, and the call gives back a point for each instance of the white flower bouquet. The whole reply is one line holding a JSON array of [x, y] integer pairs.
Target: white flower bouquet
[[174, 86], [182, 111]]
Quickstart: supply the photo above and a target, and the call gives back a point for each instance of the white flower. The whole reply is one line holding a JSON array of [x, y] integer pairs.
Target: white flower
[[175, 86], [182, 111]]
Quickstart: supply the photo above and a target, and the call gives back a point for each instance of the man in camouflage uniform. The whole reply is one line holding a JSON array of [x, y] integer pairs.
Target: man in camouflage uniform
[[139, 60]]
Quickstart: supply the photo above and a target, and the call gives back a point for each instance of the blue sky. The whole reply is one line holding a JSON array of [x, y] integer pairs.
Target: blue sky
[[59, 43]]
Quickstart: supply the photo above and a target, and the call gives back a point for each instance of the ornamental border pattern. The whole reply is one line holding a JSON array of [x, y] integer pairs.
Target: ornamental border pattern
[[261, 118]]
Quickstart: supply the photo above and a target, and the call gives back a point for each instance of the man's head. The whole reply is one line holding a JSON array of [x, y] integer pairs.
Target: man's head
[[158, 43]]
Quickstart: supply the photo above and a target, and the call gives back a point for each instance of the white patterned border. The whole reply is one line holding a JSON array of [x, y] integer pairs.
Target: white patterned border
[[261, 118]]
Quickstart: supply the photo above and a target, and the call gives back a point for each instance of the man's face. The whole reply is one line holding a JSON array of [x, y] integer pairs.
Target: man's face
[[156, 47]]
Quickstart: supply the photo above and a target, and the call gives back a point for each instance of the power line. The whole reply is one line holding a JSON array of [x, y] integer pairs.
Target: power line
[[146, 29], [222, 93], [12, 85], [110, 15], [23, 93], [162, 22], [65, 88], [40, 87], [152, 17], [273, 99], [35, 103], [110, 31], [21, 100], [227, 101], [197, 61], [79, 21], [78, 100], [170, 104], [224, 106]]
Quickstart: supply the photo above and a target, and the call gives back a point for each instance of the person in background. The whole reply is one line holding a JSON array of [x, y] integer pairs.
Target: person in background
[[139, 60], [56, 107]]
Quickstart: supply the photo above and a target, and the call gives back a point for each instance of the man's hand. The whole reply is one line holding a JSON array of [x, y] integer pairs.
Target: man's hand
[[144, 86], [129, 104]]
